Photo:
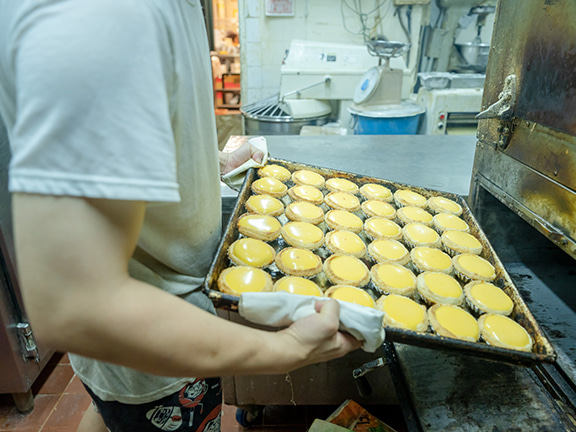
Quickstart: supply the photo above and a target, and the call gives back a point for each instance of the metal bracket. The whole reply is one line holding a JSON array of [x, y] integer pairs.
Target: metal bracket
[[503, 109], [27, 342]]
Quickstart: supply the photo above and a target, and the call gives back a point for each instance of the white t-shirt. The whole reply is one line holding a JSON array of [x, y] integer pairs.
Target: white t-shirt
[[113, 99]]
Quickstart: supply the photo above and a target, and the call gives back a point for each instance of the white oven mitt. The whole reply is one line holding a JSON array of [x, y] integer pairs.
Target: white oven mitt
[[235, 178], [280, 309]]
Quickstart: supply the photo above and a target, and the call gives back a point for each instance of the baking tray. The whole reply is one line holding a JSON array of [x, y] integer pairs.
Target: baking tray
[[542, 351]]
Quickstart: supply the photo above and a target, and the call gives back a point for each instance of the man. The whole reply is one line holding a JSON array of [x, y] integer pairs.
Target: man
[[115, 181]]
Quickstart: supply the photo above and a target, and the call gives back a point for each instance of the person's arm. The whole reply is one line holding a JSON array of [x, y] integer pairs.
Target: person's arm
[[72, 258]]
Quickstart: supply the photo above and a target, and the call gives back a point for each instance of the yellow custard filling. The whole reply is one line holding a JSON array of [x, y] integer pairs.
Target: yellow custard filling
[[298, 285], [390, 249], [310, 178], [344, 218], [308, 193], [506, 331], [306, 210], [416, 214], [451, 222], [353, 295], [269, 184], [379, 208], [395, 276], [262, 223], [346, 241], [246, 279], [404, 311], [343, 200], [491, 297], [304, 231], [275, 171], [253, 252], [381, 227], [446, 204], [457, 321], [421, 233], [443, 285], [348, 268], [298, 259], [264, 204], [376, 192], [463, 239], [341, 185], [475, 264], [432, 258], [411, 198]]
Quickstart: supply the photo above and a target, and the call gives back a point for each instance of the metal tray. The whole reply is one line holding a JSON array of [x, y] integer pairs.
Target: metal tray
[[542, 349]]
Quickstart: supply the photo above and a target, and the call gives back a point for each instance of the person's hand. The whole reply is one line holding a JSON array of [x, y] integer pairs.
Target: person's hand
[[317, 336], [232, 160]]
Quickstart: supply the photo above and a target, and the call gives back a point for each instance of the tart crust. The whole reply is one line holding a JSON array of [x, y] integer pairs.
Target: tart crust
[[304, 211], [345, 243], [341, 185], [373, 191], [303, 235], [276, 171], [469, 267], [411, 214], [459, 321], [306, 193], [307, 177], [239, 279], [381, 228], [439, 204], [298, 285], [251, 252], [430, 259], [405, 198], [416, 234], [350, 294], [346, 270], [298, 262], [483, 297], [375, 208], [265, 205], [460, 242], [447, 221], [342, 201], [501, 331], [403, 312], [269, 186], [261, 227], [388, 251], [343, 220], [436, 287], [393, 279]]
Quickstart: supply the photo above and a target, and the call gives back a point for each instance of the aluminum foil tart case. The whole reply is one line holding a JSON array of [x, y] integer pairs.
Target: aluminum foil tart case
[[542, 351]]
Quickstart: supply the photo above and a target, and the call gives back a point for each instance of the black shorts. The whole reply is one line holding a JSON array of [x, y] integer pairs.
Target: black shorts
[[196, 407]]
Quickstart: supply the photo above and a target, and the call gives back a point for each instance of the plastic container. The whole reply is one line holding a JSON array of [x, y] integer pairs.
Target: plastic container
[[386, 119]]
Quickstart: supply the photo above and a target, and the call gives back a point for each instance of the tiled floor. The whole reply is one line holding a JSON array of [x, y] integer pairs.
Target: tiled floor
[[60, 401]]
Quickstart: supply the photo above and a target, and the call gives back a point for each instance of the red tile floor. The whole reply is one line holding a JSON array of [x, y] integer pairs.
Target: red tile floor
[[60, 402]]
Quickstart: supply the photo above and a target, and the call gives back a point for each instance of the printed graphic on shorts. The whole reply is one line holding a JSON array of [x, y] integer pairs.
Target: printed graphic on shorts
[[212, 421], [165, 418], [191, 395]]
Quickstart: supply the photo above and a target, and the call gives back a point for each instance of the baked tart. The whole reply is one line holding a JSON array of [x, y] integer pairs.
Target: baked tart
[[393, 279], [344, 221], [306, 193], [346, 270], [501, 331], [430, 259], [303, 235], [304, 211], [409, 214], [440, 204], [417, 234], [372, 191], [341, 185], [251, 252], [408, 198], [240, 279], [276, 171], [374, 208], [453, 322], [345, 243], [402, 312], [342, 201], [460, 242], [381, 228], [483, 297], [447, 221], [309, 178], [469, 267], [261, 227], [269, 186], [350, 294], [435, 287], [298, 285], [387, 251], [298, 262], [265, 205]]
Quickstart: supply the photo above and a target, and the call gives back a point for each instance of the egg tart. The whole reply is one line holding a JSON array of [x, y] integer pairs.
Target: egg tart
[[304, 211], [341, 185], [408, 215], [240, 279], [501, 331], [372, 191], [417, 234], [309, 178], [298, 262], [483, 297], [393, 279], [381, 228], [435, 287], [345, 243], [276, 171], [344, 221], [303, 235], [350, 294], [387, 251], [471, 267], [346, 270], [440, 204], [306, 193], [453, 322], [251, 252], [269, 186], [261, 227], [430, 259], [342, 201], [460, 242], [408, 198], [298, 285], [374, 208], [447, 221], [402, 312], [265, 205]]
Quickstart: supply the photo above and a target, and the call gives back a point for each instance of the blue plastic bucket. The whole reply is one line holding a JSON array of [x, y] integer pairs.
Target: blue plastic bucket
[[386, 119]]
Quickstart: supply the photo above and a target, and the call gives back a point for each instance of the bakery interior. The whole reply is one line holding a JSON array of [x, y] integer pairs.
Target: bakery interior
[[471, 100]]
